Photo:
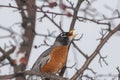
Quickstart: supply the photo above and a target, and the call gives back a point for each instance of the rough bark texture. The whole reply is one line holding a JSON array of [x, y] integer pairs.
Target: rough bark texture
[[29, 25]]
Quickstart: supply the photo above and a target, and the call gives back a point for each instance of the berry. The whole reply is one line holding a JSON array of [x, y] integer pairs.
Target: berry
[[68, 14], [52, 4]]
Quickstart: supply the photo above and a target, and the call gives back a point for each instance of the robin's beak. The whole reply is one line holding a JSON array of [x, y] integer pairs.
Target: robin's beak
[[71, 35]]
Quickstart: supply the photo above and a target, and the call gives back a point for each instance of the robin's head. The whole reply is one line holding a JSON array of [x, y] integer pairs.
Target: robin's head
[[65, 38]]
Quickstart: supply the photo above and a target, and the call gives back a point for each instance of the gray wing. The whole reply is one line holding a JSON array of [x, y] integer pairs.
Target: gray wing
[[42, 59]]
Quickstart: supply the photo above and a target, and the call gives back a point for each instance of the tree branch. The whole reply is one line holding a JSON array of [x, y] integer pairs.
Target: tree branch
[[40, 74], [75, 14], [93, 55], [28, 17], [6, 55]]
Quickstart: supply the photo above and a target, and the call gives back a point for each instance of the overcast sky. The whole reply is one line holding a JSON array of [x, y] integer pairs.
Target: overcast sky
[[87, 44]]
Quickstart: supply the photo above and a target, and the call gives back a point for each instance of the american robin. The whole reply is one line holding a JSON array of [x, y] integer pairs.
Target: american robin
[[53, 59]]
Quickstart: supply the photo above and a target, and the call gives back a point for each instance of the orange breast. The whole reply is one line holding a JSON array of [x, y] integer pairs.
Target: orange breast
[[57, 60]]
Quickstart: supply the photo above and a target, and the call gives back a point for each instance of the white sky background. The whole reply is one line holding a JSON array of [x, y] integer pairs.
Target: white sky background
[[87, 44]]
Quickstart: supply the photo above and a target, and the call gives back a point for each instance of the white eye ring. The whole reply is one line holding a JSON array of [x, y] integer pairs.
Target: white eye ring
[[63, 35]]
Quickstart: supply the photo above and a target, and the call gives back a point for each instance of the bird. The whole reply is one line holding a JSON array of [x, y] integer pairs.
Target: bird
[[54, 58]]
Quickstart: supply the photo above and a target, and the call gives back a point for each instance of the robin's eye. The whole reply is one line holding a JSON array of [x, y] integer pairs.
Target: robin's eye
[[63, 35]]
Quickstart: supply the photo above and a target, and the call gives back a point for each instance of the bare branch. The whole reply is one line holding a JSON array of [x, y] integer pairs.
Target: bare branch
[[93, 55], [75, 14], [85, 56], [47, 75], [78, 38], [6, 55], [91, 70], [103, 59], [118, 73], [3, 64], [92, 20], [88, 77], [112, 76]]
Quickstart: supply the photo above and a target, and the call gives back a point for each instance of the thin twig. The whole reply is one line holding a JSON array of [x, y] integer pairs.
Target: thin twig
[[7, 55]]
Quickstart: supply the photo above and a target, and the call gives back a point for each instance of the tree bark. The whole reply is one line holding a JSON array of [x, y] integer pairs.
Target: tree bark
[[28, 23]]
